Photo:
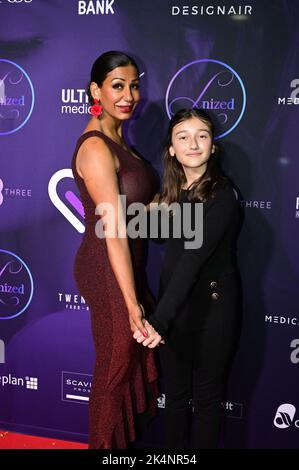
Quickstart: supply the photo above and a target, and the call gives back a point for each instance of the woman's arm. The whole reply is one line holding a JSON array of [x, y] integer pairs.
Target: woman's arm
[[97, 166]]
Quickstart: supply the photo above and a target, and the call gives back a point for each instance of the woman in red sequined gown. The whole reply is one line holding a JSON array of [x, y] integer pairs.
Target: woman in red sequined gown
[[109, 271]]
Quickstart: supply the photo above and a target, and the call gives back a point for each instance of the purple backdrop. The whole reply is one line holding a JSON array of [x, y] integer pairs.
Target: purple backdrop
[[240, 62]]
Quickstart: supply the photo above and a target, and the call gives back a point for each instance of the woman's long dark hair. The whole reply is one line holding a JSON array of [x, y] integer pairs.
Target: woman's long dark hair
[[105, 64], [174, 176]]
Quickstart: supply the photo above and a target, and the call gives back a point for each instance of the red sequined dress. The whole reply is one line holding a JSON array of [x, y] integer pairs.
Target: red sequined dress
[[124, 381]]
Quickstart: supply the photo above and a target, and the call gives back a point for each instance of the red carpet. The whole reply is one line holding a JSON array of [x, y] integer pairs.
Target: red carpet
[[10, 440]]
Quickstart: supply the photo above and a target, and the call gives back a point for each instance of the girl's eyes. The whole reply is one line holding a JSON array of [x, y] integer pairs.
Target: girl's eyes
[[202, 136]]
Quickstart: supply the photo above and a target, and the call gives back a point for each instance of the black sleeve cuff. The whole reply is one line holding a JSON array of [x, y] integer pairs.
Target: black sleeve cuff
[[157, 325]]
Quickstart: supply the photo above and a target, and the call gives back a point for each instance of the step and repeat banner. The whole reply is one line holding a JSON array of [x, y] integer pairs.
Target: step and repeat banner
[[237, 59]]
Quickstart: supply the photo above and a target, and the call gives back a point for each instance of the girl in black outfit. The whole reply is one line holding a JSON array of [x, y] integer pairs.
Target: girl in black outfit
[[197, 312]]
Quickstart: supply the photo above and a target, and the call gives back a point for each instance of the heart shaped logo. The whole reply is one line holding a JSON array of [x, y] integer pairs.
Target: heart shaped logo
[[70, 197]]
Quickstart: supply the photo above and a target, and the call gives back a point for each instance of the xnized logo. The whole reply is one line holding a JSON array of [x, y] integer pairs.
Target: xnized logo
[[285, 416], [16, 285], [16, 97], [209, 85]]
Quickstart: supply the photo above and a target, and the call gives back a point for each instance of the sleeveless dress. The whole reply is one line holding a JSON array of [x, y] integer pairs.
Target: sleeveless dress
[[125, 377]]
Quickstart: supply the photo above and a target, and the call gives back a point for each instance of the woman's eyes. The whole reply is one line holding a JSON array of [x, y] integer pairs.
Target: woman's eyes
[[117, 86], [120, 86]]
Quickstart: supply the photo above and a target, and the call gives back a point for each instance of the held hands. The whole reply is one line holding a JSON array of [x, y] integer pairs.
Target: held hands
[[142, 331], [152, 340]]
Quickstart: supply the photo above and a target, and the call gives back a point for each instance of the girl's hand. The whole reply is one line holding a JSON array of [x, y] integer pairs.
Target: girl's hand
[[153, 339]]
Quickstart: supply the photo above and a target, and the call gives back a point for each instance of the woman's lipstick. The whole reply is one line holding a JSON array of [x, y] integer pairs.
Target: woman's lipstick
[[125, 109]]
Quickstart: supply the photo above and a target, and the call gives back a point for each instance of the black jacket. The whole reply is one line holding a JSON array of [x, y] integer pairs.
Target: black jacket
[[184, 269]]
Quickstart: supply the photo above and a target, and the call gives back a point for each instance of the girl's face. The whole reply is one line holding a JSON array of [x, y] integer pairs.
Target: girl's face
[[119, 93], [192, 144]]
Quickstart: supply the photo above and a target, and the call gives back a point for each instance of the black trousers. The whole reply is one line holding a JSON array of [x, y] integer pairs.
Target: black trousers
[[195, 363]]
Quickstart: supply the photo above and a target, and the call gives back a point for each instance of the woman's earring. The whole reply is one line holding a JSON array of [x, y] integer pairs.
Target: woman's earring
[[96, 109]]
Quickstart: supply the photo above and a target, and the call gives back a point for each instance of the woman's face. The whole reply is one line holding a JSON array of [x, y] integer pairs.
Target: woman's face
[[192, 143], [119, 93]]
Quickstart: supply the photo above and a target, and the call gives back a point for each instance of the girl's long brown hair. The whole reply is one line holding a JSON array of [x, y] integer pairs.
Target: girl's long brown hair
[[174, 176]]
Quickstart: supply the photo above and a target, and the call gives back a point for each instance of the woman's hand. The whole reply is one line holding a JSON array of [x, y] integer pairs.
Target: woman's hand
[[136, 314], [153, 339]]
